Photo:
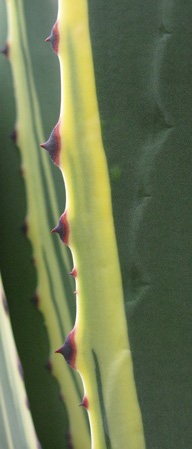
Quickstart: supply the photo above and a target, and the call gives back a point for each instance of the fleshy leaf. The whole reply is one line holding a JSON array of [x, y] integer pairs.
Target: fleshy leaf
[[16, 424]]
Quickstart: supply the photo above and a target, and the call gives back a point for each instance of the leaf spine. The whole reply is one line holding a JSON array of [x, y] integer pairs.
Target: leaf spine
[[20, 369], [69, 441], [84, 403], [53, 145], [25, 227], [5, 304], [22, 171], [68, 350], [54, 38], [5, 50], [13, 136], [49, 366], [27, 403], [61, 397], [62, 228], [33, 261], [73, 273], [35, 300]]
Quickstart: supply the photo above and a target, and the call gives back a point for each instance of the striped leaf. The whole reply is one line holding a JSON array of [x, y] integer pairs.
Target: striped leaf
[[16, 425], [101, 355], [50, 296]]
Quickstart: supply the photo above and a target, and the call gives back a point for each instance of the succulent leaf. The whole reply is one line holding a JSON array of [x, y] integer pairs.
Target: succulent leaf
[[102, 356], [51, 292], [16, 424]]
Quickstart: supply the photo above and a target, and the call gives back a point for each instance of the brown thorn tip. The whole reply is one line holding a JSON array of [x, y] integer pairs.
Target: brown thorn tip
[[59, 351], [55, 229]]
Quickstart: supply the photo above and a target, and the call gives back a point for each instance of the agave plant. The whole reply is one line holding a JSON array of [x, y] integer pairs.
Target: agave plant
[[122, 143]]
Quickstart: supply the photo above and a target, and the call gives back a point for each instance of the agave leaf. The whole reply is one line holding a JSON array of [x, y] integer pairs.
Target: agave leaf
[[50, 297], [16, 425], [149, 201], [102, 356]]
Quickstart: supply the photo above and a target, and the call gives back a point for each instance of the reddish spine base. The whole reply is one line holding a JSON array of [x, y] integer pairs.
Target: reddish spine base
[[73, 273], [53, 145], [84, 403], [62, 228], [68, 350], [54, 38]]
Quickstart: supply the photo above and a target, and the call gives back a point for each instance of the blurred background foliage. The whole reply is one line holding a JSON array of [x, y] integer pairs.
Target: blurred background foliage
[[142, 57]]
